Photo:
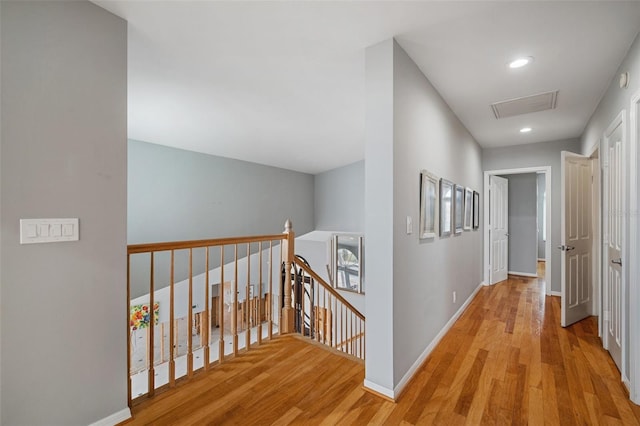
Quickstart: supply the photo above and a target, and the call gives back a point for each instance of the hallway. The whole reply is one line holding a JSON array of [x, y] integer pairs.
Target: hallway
[[505, 361]]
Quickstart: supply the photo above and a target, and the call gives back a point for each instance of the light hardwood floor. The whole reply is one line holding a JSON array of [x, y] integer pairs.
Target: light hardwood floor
[[505, 361]]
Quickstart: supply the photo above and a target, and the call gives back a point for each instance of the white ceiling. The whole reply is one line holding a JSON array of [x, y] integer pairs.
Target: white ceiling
[[282, 83]]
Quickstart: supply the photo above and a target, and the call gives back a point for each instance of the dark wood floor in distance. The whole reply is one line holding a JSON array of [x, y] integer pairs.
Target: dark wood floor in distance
[[506, 361]]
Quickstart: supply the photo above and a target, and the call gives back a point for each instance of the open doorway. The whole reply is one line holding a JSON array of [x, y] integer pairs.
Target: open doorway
[[523, 256]]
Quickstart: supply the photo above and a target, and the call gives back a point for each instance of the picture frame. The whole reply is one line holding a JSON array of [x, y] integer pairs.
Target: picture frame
[[347, 262], [446, 207], [476, 210], [468, 209], [458, 209], [429, 197]]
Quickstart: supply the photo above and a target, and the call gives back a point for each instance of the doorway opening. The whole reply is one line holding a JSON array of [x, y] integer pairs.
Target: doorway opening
[[490, 256]]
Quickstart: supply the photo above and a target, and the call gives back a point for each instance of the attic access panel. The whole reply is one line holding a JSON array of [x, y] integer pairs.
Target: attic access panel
[[525, 105]]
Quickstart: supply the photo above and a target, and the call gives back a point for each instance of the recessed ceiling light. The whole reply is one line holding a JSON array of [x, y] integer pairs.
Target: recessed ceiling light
[[525, 130], [520, 62]]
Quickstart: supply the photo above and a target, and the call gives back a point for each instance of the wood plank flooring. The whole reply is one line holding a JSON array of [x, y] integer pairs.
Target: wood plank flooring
[[505, 361]]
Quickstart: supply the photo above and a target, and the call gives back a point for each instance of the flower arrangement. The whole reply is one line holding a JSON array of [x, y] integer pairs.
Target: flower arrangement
[[140, 316]]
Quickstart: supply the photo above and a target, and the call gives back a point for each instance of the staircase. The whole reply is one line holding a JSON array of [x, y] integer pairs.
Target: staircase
[[322, 314], [193, 304]]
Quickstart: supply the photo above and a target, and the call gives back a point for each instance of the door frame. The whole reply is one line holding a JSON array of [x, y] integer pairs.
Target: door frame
[[596, 221], [547, 250], [619, 120], [634, 246]]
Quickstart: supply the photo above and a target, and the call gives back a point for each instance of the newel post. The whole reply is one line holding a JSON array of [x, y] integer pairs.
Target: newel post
[[289, 250]]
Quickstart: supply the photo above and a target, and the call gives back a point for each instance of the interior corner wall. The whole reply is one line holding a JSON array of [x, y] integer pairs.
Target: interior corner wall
[[523, 238], [339, 199], [410, 281], [64, 131], [544, 154], [427, 135], [614, 101]]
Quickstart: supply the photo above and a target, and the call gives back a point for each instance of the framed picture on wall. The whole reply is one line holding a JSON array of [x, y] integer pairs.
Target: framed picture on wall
[[446, 207], [458, 209], [348, 255], [476, 210], [468, 209], [428, 204]]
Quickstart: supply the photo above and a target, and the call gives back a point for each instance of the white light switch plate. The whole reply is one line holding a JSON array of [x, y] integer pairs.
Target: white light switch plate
[[409, 225], [34, 231]]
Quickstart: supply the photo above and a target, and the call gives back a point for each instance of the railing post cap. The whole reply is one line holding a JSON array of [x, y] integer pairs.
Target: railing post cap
[[288, 226]]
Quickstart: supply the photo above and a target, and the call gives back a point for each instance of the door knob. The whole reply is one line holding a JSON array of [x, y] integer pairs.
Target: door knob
[[566, 248], [617, 261]]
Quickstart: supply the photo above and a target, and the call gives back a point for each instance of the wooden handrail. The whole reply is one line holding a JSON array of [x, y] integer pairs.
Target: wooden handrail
[[330, 318], [328, 288], [181, 245], [204, 316]]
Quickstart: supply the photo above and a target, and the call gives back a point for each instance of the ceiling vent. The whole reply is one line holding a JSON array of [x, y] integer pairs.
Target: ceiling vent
[[525, 105]]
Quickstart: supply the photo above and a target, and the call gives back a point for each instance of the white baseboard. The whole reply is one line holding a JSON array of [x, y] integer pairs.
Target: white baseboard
[[523, 274], [416, 365], [542, 259], [114, 418], [379, 389], [627, 384], [554, 293], [633, 395]]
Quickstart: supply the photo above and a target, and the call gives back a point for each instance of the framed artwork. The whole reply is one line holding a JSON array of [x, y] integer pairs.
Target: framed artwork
[[428, 204], [476, 210], [446, 207], [458, 209], [348, 255], [468, 209]]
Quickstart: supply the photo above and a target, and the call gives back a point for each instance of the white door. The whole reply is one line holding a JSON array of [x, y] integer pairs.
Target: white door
[[614, 224], [499, 228], [577, 239]]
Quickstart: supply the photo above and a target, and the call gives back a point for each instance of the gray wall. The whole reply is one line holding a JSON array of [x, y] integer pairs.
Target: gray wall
[[410, 281], [537, 155], [219, 196], [541, 190], [339, 199], [1, 138], [176, 195], [614, 100], [64, 154], [612, 103], [378, 218], [523, 239]]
